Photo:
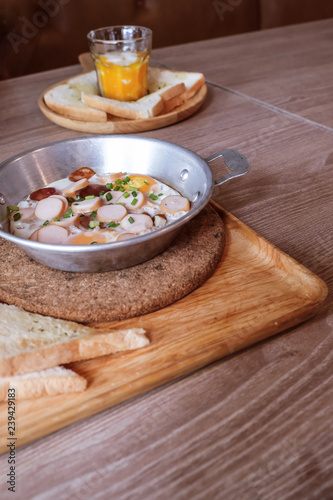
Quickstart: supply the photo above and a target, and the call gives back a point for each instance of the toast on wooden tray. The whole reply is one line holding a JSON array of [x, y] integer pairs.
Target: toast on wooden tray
[[31, 342], [50, 382], [79, 98]]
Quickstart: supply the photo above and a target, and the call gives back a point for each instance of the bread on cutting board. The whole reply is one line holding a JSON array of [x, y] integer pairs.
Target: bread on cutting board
[[31, 342], [50, 382]]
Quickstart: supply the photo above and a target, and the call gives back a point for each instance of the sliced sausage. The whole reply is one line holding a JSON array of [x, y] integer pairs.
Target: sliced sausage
[[68, 221], [81, 173], [109, 213], [25, 213], [110, 178], [132, 202], [112, 197], [125, 236], [136, 223], [49, 208], [52, 234], [33, 236], [63, 199], [73, 187], [86, 206], [43, 193], [174, 203]]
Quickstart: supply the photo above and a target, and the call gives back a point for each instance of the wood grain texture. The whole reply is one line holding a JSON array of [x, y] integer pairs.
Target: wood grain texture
[[257, 425], [290, 67], [273, 293]]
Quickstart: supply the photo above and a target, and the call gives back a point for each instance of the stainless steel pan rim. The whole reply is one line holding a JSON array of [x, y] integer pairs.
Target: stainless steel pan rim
[[93, 143]]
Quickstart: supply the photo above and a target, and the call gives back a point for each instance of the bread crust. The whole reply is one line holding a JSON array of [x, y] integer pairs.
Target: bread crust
[[146, 107]]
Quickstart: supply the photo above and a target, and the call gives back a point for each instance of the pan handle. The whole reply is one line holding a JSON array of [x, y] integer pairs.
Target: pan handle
[[235, 161]]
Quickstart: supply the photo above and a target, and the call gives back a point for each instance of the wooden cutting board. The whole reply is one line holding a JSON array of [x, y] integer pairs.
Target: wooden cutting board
[[256, 292]]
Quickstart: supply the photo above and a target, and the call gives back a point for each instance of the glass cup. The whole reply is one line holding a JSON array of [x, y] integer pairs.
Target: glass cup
[[121, 55]]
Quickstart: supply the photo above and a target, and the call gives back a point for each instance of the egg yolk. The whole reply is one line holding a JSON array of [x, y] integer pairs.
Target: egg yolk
[[123, 76], [142, 182], [90, 238]]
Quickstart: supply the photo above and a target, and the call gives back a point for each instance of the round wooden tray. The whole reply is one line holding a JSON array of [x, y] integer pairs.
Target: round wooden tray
[[116, 125]]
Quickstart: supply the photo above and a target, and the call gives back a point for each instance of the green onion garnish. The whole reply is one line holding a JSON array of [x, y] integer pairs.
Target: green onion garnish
[[108, 196], [146, 183], [132, 188], [153, 196], [46, 223], [113, 224], [56, 219], [130, 220], [134, 201], [93, 214], [125, 181], [121, 188], [70, 200], [118, 181], [90, 197], [93, 243], [93, 223], [135, 194], [17, 216], [109, 185], [13, 208], [160, 194], [117, 188], [66, 216], [101, 193], [126, 195]]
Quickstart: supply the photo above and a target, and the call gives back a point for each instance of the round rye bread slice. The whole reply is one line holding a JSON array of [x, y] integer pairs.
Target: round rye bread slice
[[115, 295]]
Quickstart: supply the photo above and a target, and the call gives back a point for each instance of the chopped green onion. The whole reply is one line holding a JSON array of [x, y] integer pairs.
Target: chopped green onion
[[108, 196], [113, 224], [118, 181], [93, 223], [109, 185], [56, 219], [101, 193], [90, 197], [93, 214], [126, 195], [46, 223], [93, 243], [132, 188], [146, 183], [134, 201], [125, 181], [117, 188], [135, 194], [153, 196], [119, 203], [13, 208], [66, 216], [78, 198], [70, 200], [160, 194], [121, 188], [17, 216], [130, 220], [75, 203]]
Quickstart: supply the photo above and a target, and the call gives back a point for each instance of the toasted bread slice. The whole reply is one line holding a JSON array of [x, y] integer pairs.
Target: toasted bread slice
[[146, 107], [32, 342], [66, 100], [192, 81], [50, 382]]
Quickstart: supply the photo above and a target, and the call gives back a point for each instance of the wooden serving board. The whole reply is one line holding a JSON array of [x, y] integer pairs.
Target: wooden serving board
[[116, 125], [256, 292]]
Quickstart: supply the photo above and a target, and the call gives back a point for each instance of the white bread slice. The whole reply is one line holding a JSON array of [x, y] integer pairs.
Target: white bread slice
[[148, 106], [50, 382], [66, 100], [30, 342], [192, 81]]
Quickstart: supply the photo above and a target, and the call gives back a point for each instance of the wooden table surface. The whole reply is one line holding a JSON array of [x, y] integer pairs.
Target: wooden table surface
[[258, 424]]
